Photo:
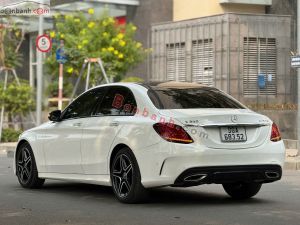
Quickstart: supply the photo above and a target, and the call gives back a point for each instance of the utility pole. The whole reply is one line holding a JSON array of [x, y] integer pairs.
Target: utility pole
[[298, 71], [39, 72], [60, 79]]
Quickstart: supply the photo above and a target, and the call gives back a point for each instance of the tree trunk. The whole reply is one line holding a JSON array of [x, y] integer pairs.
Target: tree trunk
[[10, 121]]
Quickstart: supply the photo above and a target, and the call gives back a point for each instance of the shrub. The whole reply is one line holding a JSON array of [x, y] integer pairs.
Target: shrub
[[10, 135], [132, 79], [17, 99], [52, 89]]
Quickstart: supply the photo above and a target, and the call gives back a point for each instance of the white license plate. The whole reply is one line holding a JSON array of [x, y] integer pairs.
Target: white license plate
[[233, 134]]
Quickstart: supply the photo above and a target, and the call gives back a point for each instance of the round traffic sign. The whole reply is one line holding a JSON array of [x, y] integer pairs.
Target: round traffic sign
[[43, 43]]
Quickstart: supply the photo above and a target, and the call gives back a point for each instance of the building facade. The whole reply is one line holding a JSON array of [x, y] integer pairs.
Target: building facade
[[194, 8], [245, 55], [143, 16], [233, 45]]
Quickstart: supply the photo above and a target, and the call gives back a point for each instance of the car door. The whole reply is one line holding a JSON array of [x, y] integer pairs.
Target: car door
[[101, 129], [62, 139]]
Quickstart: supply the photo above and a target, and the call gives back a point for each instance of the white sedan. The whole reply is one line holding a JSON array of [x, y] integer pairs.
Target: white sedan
[[138, 136]]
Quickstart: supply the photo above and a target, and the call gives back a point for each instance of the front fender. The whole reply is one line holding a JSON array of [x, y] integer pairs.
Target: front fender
[[36, 145]]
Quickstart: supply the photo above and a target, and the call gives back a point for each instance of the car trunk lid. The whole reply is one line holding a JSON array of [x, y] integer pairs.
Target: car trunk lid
[[222, 128]]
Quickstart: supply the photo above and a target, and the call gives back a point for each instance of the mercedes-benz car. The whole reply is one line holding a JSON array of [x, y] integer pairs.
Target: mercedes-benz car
[[135, 137]]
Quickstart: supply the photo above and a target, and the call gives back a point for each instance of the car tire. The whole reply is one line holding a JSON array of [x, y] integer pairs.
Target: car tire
[[126, 178], [26, 169], [242, 190]]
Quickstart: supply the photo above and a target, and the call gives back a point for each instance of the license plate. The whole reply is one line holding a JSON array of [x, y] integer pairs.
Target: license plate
[[233, 134]]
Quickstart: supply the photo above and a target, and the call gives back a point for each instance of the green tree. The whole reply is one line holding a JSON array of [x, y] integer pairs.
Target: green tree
[[16, 99], [11, 38], [94, 37]]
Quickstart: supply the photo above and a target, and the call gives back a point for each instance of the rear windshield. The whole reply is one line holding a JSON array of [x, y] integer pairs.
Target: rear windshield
[[189, 98]]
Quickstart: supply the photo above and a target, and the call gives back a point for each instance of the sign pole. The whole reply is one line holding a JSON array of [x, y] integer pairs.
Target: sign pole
[[60, 80]]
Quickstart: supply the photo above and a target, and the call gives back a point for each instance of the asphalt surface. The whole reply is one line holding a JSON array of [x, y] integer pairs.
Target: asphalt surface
[[72, 203]]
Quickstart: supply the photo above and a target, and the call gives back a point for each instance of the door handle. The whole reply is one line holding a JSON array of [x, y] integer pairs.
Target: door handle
[[114, 124], [76, 124]]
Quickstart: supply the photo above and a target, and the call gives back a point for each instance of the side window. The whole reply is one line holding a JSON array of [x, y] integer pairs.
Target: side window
[[84, 104], [118, 101]]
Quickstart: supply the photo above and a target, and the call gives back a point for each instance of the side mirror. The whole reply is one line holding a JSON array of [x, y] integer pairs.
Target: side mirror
[[55, 116]]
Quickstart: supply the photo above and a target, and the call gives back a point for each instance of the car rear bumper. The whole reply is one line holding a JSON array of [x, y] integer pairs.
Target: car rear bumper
[[163, 163], [229, 174]]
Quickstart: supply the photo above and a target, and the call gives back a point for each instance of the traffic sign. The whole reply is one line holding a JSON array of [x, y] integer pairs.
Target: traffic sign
[[61, 56], [43, 43]]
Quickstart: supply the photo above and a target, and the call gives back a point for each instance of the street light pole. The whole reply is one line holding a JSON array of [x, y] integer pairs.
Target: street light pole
[[39, 72]]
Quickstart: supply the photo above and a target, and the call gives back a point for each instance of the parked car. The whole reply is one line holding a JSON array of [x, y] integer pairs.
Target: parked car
[[134, 136]]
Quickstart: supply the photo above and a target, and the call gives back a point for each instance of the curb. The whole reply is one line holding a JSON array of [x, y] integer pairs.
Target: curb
[[292, 164], [8, 149], [10, 153]]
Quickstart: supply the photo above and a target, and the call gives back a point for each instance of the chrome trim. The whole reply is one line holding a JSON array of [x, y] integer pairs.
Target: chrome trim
[[201, 177], [229, 124], [272, 175]]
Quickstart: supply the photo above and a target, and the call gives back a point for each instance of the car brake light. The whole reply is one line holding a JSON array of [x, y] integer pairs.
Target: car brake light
[[275, 134], [173, 133]]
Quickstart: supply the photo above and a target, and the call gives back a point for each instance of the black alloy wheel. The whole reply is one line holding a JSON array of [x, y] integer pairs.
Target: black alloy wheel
[[26, 169], [122, 175], [126, 178]]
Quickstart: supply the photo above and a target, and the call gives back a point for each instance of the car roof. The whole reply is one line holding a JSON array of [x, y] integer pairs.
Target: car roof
[[154, 85], [176, 84]]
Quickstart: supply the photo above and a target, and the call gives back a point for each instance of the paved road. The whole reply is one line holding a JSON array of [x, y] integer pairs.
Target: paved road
[[78, 204]]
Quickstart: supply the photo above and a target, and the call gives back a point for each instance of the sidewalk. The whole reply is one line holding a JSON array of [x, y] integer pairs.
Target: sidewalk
[[3, 153], [292, 161], [7, 149]]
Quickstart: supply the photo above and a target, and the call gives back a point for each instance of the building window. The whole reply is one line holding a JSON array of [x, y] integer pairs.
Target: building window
[[202, 61], [176, 62], [259, 66]]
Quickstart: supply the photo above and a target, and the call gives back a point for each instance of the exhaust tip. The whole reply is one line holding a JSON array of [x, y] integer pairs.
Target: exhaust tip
[[272, 175], [195, 177]]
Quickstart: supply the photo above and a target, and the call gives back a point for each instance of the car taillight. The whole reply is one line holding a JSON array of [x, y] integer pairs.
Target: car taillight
[[275, 134], [173, 133]]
